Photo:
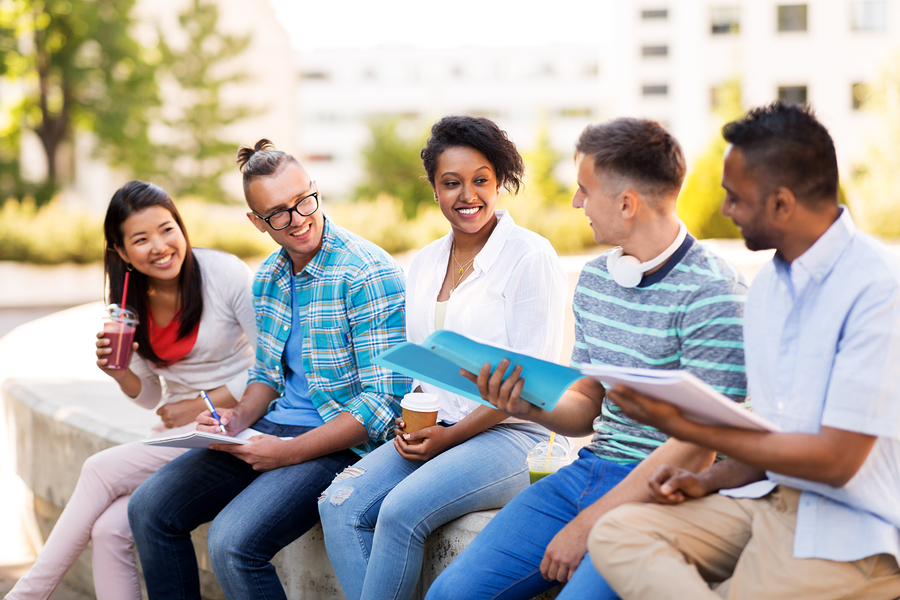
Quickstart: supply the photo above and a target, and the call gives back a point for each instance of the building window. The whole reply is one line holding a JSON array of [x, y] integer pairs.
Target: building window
[[654, 51], [655, 90], [792, 17], [859, 91], [725, 19], [868, 16], [792, 94], [655, 13]]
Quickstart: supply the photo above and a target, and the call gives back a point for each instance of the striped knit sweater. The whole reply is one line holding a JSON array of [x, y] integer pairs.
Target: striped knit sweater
[[688, 315]]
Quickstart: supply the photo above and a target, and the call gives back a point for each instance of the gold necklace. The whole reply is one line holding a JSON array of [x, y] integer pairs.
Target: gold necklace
[[462, 269]]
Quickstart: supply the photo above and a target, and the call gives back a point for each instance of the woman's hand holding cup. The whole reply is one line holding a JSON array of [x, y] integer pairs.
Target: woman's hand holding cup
[[104, 350]]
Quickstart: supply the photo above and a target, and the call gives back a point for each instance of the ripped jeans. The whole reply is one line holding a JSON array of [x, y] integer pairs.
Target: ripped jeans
[[378, 512]]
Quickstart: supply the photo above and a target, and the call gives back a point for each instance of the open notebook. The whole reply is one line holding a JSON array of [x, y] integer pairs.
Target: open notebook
[[200, 439], [697, 400]]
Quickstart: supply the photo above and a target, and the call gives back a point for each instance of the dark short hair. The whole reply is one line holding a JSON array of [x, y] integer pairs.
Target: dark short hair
[[480, 134], [262, 160], [639, 151], [784, 145], [131, 198]]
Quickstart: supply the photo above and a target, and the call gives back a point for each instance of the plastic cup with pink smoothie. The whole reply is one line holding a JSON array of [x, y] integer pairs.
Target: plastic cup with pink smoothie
[[119, 325]]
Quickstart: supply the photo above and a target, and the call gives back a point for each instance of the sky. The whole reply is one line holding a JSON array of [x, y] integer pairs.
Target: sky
[[429, 24]]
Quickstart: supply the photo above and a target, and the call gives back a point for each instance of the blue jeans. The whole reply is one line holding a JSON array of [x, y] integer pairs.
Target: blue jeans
[[377, 513], [504, 559], [253, 514]]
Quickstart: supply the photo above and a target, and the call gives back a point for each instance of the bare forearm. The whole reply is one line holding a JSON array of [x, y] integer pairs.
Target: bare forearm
[[474, 423], [729, 474], [340, 433], [576, 410], [831, 456]]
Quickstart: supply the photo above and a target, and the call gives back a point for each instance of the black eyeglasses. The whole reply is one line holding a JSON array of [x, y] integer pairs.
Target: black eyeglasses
[[281, 219]]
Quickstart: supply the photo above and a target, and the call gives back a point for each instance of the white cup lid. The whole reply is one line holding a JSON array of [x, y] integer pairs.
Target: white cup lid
[[420, 402]]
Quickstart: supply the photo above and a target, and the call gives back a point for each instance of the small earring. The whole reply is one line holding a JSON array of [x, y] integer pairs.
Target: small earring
[[128, 267], [435, 199]]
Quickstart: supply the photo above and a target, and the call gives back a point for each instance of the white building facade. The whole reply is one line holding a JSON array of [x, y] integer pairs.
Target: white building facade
[[662, 59], [669, 56], [522, 89]]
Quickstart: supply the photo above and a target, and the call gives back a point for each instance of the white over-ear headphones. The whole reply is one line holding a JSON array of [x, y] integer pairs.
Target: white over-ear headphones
[[628, 271]]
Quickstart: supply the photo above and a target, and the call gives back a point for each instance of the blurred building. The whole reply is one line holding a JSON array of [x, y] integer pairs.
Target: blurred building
[[663, 59], [670, 57], [523, 89]]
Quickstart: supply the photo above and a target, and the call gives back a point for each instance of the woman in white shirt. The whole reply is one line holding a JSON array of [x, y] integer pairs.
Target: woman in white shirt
[[196, 332], [488, 278]]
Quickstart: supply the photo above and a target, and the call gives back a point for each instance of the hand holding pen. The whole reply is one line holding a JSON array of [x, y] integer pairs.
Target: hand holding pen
[[212, 411]]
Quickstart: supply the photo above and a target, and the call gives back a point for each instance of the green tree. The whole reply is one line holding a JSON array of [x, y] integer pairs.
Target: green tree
[[540, 171], [196, 152], [876, 196], [80, 68], [700, 203], [392, 166]]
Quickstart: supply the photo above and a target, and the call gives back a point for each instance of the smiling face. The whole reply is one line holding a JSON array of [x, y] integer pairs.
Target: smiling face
[[601, 207], [466, 188], [303, 237], [154, 244], [745, 202]]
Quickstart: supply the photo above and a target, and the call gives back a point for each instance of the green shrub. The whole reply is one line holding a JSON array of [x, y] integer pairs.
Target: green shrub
[[52, 235], [567, 228], [224, 228], [48, 235], [700, 202]]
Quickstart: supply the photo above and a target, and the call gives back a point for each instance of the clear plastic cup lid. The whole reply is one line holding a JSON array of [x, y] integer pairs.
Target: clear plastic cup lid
[[560, 451], [119, 314], [420, 402]]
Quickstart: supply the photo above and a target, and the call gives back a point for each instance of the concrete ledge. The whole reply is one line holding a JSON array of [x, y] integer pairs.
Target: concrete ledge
[[54, 426]]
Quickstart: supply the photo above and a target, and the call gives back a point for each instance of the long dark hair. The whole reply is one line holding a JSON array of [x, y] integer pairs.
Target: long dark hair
[[131, 198]]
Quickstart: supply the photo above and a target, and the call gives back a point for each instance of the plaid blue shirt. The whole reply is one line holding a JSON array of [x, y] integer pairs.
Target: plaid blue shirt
[[351, 303]]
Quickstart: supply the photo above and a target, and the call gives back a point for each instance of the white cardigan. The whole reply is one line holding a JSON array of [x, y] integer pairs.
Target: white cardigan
[[514, 297], [226, 338]]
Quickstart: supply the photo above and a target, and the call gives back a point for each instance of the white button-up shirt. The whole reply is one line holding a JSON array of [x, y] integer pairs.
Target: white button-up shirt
[[515, 297], [822, 344]]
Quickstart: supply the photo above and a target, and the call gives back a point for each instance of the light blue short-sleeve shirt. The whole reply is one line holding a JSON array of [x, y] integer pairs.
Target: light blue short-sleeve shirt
[[822, 344]]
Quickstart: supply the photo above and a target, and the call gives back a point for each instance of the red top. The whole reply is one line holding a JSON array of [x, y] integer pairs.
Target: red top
[[165, 342]]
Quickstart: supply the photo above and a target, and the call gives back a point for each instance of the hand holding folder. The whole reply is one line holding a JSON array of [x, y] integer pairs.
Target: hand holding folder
[[439, 358]]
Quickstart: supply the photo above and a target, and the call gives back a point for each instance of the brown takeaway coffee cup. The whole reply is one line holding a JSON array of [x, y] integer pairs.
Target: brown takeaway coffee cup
[[420, 410]]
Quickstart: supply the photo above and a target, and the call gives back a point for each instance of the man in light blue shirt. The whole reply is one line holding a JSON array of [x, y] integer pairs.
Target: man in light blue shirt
[[812, 511]]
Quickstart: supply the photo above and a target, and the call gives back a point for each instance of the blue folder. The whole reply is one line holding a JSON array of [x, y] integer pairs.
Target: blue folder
[[439, 358]]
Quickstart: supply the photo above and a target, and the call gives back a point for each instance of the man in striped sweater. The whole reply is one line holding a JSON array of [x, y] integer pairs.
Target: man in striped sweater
[[659, 300]]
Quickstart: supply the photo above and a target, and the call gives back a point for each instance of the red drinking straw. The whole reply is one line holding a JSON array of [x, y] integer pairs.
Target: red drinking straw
[[122, 321], [125, 290]]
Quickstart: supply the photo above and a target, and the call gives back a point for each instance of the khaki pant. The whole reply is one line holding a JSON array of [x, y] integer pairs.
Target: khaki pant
[[654, 552]]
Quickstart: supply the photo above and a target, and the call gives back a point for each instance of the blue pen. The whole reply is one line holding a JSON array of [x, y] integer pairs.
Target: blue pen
[[212, 409]]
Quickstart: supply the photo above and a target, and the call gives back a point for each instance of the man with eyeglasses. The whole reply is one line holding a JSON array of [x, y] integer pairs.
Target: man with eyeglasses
[[327, 303]]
